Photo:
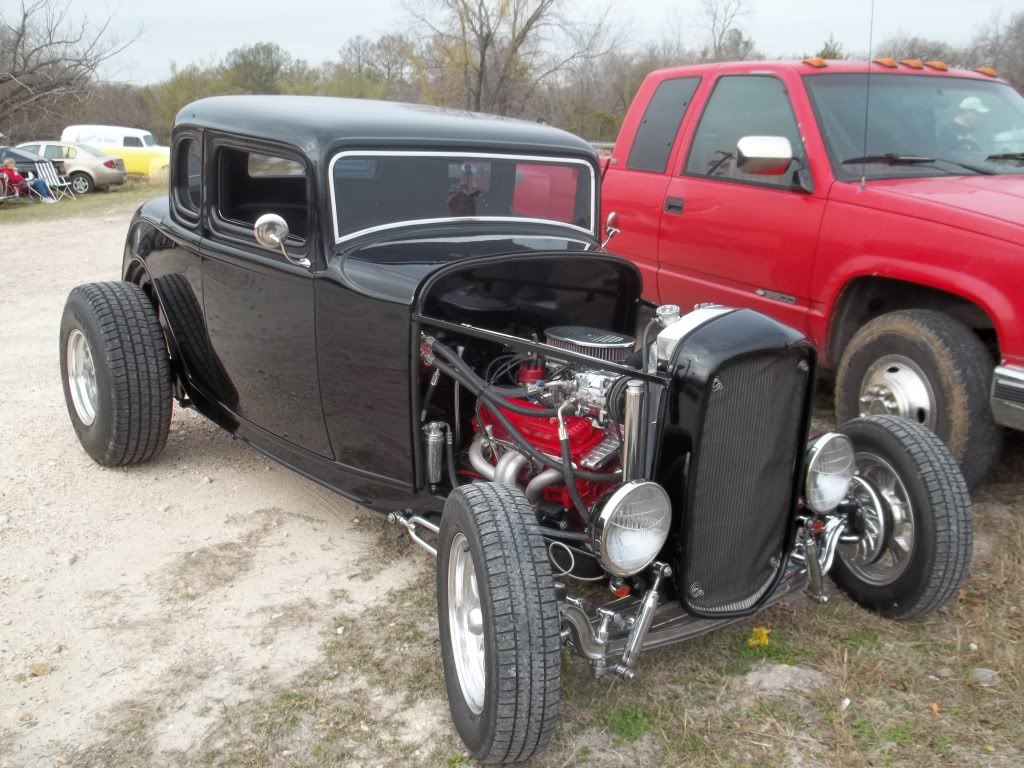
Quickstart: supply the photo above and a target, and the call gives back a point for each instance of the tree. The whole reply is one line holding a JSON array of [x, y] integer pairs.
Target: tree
[[831, 49], [721, 20], [257, 68], [494, 54], [47, 56]]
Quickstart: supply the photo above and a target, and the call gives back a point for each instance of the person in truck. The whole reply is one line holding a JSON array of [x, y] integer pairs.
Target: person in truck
[[891, 232], [960, 132]]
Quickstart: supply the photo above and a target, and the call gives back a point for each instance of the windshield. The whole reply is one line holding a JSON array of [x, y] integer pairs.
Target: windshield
[[919, 126], [380, 190], [148, 140]]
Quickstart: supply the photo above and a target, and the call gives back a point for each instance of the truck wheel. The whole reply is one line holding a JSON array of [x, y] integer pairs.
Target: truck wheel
[[499, 622], [116, 375], [914, 532], [927, 367]]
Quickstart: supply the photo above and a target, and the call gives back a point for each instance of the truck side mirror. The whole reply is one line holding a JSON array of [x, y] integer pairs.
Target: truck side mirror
[[764, 155], [270, 231]]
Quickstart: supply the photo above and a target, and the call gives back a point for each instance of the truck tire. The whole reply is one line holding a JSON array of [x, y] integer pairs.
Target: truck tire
[[927, 367], [499, 623], [919, 521], [116, 374]]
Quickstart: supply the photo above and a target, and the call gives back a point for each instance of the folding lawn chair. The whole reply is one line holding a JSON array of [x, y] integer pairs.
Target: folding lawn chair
[[59, 186], [17, 192]]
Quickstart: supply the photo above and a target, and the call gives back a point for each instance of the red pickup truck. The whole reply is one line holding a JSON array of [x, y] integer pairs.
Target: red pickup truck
[[877, 207]]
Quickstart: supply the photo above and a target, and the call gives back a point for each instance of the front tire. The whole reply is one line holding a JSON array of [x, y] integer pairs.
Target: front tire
[[499, 623], [918, 521], [929, 368], [116, 373]]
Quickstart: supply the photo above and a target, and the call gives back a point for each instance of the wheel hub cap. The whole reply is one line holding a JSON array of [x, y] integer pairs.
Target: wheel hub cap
[[79, 185], [81, 377], [880, 551], [465, 623], [896, 385]]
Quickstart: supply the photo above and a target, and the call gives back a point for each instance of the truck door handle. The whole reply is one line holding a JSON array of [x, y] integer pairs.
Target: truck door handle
[[673, 205]]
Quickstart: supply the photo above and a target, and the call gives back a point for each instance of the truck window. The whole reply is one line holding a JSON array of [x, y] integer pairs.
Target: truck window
[[132, 141], [188, 174], [245, 191], [657, 131], [742, 105]]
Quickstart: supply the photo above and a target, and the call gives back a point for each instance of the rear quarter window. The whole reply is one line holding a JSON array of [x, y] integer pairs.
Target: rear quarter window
[[660, 124]]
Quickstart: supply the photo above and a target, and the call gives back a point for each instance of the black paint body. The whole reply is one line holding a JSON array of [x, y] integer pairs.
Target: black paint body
[[319, 366]]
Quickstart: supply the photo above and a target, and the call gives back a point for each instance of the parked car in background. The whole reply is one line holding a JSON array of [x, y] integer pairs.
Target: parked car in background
[[412, 307], [751, 185], [27, 162], [86, 167], [140, 151]]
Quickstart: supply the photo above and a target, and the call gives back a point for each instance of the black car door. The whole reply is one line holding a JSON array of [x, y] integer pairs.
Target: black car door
[[259, 305]]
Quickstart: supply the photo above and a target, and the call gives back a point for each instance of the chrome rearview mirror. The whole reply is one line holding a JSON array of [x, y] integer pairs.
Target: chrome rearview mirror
[[610, 228], [271, 231], [764, 155]]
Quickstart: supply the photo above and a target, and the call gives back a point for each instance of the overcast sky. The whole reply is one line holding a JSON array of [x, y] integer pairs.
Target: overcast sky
[[200, 30]]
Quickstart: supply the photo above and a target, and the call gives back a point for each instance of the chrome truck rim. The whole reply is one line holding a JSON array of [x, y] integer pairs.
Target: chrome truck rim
[[897, 386], [465, 623], [81, 377], [881, 550]]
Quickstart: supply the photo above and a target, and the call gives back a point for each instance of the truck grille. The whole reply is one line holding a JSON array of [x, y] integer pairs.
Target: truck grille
[[740, 500]]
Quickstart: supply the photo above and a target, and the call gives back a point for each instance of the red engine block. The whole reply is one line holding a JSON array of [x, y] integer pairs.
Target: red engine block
[[542, 432]]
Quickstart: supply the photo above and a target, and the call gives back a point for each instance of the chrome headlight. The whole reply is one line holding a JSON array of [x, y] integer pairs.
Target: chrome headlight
[[830, 467], [631, 527]]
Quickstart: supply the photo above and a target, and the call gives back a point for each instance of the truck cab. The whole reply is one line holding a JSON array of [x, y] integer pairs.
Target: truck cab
[[890, 235]]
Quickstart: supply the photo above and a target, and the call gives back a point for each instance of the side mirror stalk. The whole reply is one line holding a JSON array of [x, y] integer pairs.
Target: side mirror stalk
[[271, 231]]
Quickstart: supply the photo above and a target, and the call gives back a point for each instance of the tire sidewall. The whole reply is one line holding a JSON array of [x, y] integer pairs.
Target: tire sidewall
[[93, 437], [90, 185], [912, 584], [477, 731], [943, 384]]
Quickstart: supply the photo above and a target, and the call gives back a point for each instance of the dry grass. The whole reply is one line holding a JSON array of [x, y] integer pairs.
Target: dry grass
[[92, 204]]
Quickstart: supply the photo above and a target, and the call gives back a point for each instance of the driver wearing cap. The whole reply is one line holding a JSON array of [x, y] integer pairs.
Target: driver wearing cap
[[959, 132]]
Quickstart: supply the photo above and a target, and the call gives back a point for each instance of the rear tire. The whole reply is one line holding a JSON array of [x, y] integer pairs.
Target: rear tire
[[119, 393], [81, 183], [504, 698], [929, 558], [951, 363]]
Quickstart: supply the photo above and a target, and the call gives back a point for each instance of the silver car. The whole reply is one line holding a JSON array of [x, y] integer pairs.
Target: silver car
[[86, 167]]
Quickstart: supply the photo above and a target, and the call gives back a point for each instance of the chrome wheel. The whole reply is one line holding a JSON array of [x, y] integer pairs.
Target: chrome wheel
[[81, 377], [465, 623], [79, 185], [880, 551], [897, 386]]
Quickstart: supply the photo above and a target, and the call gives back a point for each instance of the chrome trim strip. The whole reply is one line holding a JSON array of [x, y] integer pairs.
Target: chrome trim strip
[[338, 238], [1008, 413]]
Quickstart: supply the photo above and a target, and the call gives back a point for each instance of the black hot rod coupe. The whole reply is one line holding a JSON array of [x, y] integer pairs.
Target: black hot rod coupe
[[414, 307]]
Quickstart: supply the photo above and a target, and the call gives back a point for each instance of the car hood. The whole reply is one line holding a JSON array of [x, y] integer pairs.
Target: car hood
[[990, 205]]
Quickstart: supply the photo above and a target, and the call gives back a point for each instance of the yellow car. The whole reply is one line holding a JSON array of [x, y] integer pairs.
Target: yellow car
[[139, 150]]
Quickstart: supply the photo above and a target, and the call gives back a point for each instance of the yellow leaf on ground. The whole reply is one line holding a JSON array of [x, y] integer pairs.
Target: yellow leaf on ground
[[934, 709], [39, 669], [758, 637]]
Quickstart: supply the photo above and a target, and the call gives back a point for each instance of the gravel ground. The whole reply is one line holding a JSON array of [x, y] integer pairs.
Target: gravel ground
[[212, 609], [208, 573]]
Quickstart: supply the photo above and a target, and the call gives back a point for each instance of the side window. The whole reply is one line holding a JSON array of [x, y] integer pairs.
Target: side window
[[53, 152], [132, 141], [70, 153], [189, 174], [742, 105], [657, 131], [250, 184]]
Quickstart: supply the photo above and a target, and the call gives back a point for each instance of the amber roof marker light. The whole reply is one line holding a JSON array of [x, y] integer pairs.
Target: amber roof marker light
[[887, 61], [912, 63], [815, 61], [939, 65], [989, 71]]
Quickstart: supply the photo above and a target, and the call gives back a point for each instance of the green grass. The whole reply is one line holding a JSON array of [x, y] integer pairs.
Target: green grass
[[628, 723], [92, 204]]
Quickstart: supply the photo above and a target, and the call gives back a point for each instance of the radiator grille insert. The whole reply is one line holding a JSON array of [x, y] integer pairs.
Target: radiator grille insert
[[741, 484]]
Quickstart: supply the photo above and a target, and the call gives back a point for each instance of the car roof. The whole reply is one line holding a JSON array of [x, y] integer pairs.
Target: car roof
[[119, 128], [313, 122], [833, 67]]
